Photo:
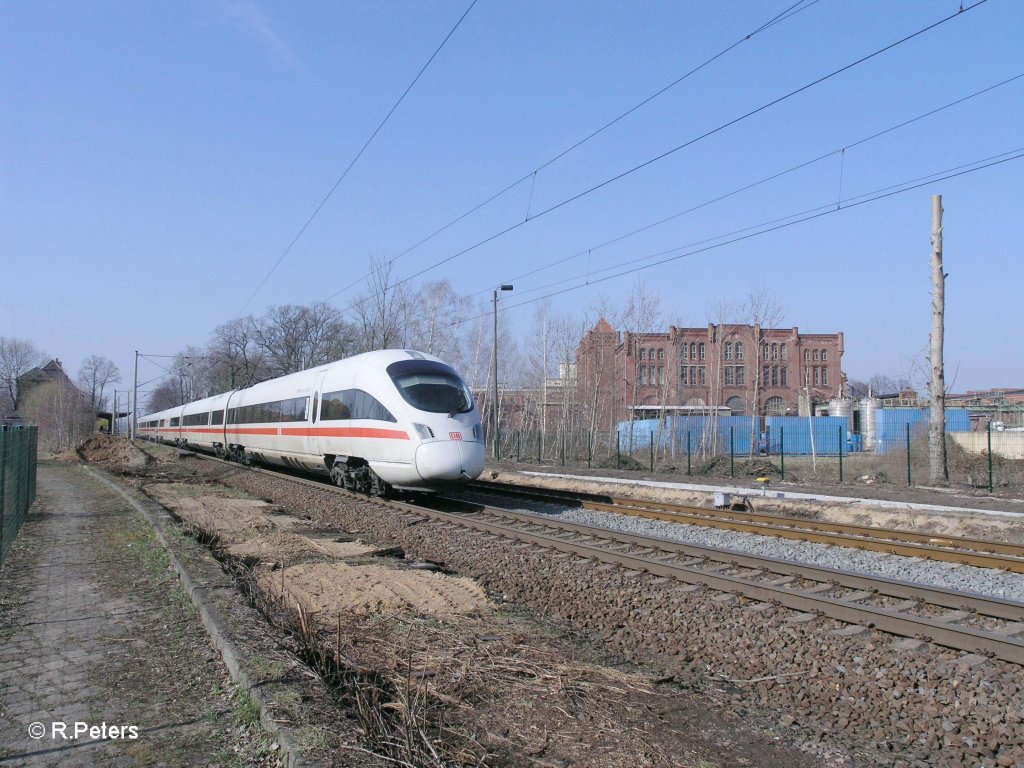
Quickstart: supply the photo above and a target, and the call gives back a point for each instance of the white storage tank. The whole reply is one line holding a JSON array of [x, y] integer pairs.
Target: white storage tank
[[869, 422]]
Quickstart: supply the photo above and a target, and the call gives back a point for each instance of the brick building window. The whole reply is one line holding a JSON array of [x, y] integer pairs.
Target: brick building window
[[817, 376], [683, 378], [815, 356], [766, 375], [661, 374], [766, 352], [775, 375], [739, 350], [641, 375], [824, 354], [782, 351], [807, 355], [702, 351], [693, 350], [661, 354], [728, 350], [782, 376], [686, 351], [703, 377], [643, 353], [775, 351], [824, 376], [728, 375], [740, 378]]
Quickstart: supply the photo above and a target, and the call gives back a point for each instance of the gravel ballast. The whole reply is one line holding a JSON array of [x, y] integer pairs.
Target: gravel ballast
[[963, 578], [855, 696]]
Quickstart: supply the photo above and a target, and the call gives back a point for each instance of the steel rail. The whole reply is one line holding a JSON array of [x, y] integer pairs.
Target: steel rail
[[966, 551], [1002, 646]]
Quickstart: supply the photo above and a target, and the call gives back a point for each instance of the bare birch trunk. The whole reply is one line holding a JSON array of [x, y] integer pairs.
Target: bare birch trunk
[[938, 470]]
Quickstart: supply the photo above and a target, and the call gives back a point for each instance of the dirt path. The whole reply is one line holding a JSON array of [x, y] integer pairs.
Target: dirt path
[[94, 629]]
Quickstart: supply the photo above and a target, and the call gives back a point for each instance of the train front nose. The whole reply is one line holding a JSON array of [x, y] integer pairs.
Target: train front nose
[[448, 460]]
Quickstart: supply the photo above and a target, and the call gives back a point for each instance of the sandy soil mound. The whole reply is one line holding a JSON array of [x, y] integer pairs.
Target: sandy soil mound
[[231, 520], [332, 587], [292, 548]]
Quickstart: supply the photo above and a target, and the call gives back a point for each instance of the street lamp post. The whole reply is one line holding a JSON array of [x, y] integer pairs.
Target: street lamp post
[[494, 375]]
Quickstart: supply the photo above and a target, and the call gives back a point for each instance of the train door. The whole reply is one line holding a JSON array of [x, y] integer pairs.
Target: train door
[[313, 442]]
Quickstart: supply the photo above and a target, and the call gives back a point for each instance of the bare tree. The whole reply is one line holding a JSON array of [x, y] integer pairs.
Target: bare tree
[[383, 314], [293, 338], [166, 394], [17, 357], [94, 376], [62, 413], [234, 359], [435, 320]]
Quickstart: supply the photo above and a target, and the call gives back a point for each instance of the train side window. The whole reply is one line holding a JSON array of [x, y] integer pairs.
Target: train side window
[[175, 421], [333, 407], [217, 417]]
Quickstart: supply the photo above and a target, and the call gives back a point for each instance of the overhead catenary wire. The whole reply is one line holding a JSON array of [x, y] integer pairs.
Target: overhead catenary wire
[[690, 142], [763, 229], [354, 160], [746, 187], [792, 10]]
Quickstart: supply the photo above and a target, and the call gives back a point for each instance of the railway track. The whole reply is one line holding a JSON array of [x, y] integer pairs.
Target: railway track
[[969, 622], [966, 551]]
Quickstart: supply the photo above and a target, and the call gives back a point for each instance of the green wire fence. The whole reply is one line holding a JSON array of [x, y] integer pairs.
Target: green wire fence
[[17, 481]]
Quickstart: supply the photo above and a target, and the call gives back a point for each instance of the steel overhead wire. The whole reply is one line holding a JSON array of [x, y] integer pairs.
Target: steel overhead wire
[[355, 159], [777, 19], [771, 226], [685, 144], [792, 169]]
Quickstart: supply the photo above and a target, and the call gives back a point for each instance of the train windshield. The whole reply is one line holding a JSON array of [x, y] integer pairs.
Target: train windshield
[[431, 387]]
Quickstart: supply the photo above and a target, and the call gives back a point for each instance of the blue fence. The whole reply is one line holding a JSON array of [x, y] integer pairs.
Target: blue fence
[[891, 425], [796, 435]]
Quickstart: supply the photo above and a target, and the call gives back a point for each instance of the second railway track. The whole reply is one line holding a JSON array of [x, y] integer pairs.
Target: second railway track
[[966, 551]]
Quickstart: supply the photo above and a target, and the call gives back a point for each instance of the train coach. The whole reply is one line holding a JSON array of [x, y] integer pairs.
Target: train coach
[[373, 422]]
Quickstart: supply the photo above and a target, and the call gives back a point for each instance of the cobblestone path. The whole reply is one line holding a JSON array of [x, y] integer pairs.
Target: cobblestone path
[[95, 633]]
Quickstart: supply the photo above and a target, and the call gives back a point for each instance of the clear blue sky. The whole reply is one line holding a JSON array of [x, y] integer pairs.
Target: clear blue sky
[[157, 159]]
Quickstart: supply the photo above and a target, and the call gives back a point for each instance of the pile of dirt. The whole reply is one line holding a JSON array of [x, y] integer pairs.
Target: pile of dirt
[[111, 450], [720, 466], [229, 520], [623, 462], [326, 589], [291, 548]]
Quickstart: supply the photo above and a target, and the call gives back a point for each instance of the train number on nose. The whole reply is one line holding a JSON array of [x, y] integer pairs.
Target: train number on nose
[[454, 435]]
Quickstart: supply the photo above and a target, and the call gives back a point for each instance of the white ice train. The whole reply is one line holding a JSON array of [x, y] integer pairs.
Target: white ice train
[[373, 422]]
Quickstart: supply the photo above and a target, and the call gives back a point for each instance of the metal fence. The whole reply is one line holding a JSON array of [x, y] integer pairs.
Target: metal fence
[[820, 449], [17, 481]]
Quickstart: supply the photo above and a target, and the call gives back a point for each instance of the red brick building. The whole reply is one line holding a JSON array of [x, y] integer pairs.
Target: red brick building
[[737, 369]]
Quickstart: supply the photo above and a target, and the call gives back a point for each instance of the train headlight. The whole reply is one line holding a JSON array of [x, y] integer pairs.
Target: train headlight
[[425, 432]]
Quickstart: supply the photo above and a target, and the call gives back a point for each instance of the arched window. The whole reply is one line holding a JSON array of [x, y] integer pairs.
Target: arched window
[[815, 355], [661, 354], [737, 405], [824, 354], [643, 353], [782, 351], [702, 351], [686, 351], [728, 350], [766, 351], [693, 350], [775, 351], [775, 406], [739, 350]]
